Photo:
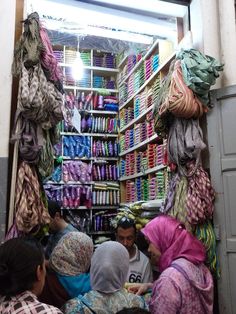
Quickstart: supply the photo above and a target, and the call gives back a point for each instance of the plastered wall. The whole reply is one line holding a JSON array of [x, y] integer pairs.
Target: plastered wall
[[7, 31]]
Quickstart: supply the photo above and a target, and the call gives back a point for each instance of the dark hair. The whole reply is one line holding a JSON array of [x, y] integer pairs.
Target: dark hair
[[126, 223], [133, 310], [19, 259], [53, 208]]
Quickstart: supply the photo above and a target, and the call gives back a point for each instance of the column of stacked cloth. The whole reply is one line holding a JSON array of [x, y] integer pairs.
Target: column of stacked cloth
[[92, 100], [138, 78], [141, 212], [155, 155], [106, 193], [70, 196], [106, 60], [142, 187]]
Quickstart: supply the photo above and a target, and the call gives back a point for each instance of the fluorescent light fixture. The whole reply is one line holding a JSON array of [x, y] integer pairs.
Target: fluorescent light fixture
[[154, 6], [87, 14], [77, 68]]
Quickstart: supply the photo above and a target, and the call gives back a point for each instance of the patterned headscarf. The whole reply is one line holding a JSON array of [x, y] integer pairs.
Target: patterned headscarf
[[169, 236], [72, 255], [109, 267]]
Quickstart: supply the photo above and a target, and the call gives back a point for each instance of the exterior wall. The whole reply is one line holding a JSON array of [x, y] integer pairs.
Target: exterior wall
[[214, 33], [7, 31]]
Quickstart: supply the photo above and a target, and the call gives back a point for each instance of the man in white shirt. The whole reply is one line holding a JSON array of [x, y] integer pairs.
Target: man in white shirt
[[140, 269]]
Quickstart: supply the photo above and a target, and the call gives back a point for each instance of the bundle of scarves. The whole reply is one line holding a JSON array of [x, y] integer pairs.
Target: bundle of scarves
[[183, 98], [185, 91], [30, 210], [40, 102]]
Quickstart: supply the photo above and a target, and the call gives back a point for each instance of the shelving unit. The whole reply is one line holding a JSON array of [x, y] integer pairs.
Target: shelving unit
[[85, 179], [143, 173]]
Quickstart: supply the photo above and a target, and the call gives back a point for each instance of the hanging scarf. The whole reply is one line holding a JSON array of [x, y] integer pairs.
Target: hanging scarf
[[30, 210], [179, 210], [185, 143], [170, 198], [199, 72], [181, 101], [39, 100], [200, 195], [205, 233]]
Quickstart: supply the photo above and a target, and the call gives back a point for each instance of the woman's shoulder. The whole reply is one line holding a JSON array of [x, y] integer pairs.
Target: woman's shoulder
[[45, 308]]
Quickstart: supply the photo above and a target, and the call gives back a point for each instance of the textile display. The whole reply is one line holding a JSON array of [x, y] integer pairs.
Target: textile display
[[30, 210], [199, 72]]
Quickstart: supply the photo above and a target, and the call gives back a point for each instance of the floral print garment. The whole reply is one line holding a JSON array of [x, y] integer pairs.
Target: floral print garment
[[100, 303]]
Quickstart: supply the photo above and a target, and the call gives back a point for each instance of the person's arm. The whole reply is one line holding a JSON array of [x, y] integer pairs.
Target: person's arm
[[166, 297], [139, 288]]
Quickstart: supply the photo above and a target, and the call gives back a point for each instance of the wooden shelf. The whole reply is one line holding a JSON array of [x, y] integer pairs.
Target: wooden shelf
[[91, 89], [136, 119], [70, 183], [158, 201], [85, 183], [103, 112], [144, 173], [94, 68], [95, 159], [105, 207], [144, 143], [90, 134], [94, 207], [151, 78], [122, 61]]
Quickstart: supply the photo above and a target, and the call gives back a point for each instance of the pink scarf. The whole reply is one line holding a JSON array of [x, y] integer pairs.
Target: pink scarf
[[169, 236]]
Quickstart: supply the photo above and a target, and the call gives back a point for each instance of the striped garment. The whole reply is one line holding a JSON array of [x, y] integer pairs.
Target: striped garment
[[25, 303]]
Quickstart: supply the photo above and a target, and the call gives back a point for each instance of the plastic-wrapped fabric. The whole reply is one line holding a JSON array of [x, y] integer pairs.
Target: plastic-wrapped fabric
[[199, 72]]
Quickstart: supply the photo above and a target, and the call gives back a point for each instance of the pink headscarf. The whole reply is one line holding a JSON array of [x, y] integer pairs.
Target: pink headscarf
[[174, 241]]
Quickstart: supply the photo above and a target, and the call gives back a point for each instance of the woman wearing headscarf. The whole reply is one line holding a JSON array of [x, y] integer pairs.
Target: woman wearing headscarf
[[185, 284], [68, 276], [109, 268]]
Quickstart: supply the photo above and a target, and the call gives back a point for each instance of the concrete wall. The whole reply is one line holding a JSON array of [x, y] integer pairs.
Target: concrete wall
[[214, 33], [7, 31]]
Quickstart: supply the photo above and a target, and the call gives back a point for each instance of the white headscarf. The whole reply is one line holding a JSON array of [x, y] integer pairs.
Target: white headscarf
[[109, 267]]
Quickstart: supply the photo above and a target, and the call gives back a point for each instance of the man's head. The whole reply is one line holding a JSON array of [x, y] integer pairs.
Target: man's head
[[126, 233], [57, 220]]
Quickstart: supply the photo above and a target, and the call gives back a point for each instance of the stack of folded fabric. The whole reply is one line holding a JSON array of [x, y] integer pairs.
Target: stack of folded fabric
[[148, 68]]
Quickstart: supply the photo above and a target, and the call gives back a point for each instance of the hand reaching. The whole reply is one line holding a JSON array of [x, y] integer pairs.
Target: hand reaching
[[138, 288]]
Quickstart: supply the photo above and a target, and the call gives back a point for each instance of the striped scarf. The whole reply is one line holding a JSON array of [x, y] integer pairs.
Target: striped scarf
[[30, 210]]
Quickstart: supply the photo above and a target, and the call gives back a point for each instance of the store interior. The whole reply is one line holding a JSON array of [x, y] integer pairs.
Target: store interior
[[108, 155], [112, 57]]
